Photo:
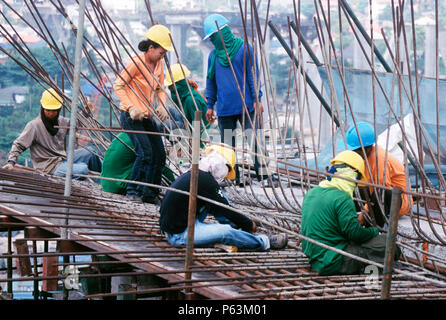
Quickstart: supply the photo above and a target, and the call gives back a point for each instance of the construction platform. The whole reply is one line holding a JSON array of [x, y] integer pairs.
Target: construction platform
[[118, 243]]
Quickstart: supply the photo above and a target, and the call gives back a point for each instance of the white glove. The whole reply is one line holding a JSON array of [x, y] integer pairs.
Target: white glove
[[161, 112], [136, 114], [8, 166]]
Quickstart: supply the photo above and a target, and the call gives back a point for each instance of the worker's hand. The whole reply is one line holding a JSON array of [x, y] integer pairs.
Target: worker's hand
[[161, 112], [258, 107], [136, 114], [8, 166], [254, 227], [210, 116], [361, 219], [90, 107]]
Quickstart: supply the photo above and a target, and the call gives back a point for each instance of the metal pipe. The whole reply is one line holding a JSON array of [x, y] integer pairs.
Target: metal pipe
[[193, 194], [308, 79], [391, 242], [73, 118], [305, 44], [365, 35]]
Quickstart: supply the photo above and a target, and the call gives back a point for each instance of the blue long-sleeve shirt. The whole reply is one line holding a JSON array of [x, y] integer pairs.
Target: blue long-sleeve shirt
[[223, 88]]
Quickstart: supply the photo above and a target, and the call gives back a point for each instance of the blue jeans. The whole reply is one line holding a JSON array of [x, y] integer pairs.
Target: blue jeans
[[228, 124], [176, 122], [208, 234], [83, 161], [150, 155]]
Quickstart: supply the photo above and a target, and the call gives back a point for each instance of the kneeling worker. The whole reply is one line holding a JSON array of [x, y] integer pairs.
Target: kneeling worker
[[329, 216], [234, 228]]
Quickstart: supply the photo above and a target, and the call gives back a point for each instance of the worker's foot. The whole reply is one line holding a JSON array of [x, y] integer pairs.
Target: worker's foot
[[278, 241], [270, 182], [134, 197], [244, 182], [152, 200]]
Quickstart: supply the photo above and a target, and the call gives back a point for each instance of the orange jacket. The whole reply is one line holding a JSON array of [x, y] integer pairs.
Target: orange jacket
[[395, 175], [136, 76]]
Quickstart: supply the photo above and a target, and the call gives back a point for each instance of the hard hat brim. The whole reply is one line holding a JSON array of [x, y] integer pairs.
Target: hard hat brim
[[52, 107], [231, 174], [210, 34]]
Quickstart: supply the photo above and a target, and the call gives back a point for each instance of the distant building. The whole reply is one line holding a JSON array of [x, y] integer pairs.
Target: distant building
[[11, 97]]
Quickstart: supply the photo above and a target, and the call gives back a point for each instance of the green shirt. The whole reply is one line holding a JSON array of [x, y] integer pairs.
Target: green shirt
[[329, 216], [118, 164], [188, 102]]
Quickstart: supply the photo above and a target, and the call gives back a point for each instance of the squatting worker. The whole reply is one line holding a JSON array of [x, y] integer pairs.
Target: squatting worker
[[141, 99], [46, 143], [232, 229], [329, 216], [222, 89], [395, 175]]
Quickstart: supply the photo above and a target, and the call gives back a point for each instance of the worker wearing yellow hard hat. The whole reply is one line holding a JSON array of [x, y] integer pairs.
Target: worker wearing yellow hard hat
[[233, 228], [329, 216], [51, 100], [139, 88], [184, 92], [45, 135]]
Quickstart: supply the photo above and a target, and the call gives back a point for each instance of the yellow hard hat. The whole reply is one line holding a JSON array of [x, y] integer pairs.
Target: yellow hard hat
[[229, 154], [351, 159], [160, 34], [177, 73], [51, 100]]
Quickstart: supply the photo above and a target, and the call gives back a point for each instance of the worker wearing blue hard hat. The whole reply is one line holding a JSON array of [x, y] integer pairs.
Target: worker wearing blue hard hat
[[363, 136], [232, 68]]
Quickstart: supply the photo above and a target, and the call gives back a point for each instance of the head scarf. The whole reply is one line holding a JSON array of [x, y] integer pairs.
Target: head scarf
[[232, 45], [215, 164], [342, 184], [50, 123]]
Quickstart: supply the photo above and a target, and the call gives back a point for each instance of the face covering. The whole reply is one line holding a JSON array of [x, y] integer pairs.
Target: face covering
[[232, 45], [50, 123], [341, 184], [215, 164]]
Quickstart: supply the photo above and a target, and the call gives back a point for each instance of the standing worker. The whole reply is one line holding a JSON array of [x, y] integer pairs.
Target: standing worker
[[233, 229], [329, 216], [138, 88], [395, 175], [221, 87], [47, 143]]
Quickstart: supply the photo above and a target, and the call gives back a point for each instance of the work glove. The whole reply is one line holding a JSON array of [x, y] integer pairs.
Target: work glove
[[210, 116], [136, 114], [8, 166], [161, 112]]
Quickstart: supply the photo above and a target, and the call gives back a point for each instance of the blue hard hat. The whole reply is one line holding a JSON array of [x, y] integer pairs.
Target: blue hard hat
[[209, 24], [366, 132]]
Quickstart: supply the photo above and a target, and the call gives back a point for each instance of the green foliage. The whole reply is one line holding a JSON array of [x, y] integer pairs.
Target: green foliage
[[280, 72]]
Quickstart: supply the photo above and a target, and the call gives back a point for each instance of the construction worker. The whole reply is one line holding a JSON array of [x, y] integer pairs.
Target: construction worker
[[394, 171], [329, 216], [138, 88], [222, 89], [188, 99], [233, 229], [47, 143], [118, 163]]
